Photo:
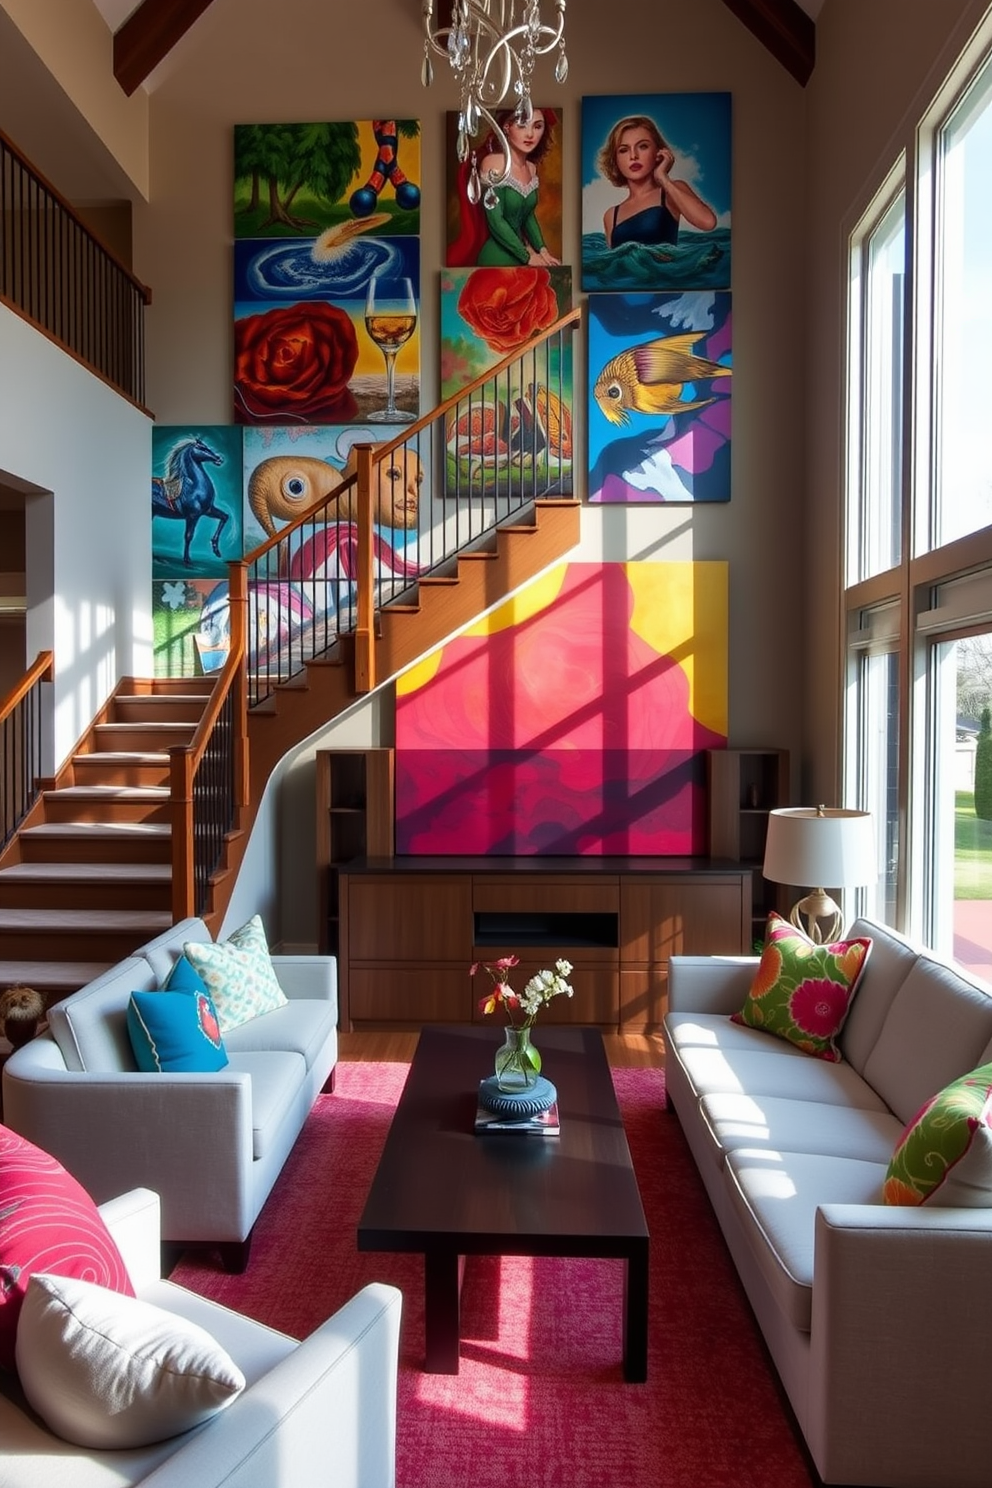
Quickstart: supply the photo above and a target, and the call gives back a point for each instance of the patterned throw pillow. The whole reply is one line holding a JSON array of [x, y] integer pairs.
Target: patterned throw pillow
[[803, 992], [944, 1156], [175, 1031], [238, 975], [48, 1222]]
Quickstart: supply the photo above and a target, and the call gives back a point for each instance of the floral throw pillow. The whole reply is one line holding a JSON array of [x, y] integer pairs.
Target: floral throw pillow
[[944, 1156], [237, 974], [803, 992]]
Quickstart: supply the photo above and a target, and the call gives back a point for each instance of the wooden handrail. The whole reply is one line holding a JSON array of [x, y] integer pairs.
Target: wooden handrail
[[185, 759], [42, 670]]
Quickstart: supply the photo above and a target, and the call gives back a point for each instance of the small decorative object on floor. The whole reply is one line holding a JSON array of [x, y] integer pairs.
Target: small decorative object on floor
[[518, 1062], [21, 1011]]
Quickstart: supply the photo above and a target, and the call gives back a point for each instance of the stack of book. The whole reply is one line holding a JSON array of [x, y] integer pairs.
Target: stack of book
[[541, 1124]]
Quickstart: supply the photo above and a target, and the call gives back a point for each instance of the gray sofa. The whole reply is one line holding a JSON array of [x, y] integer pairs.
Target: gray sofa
[[876, 1317], [321, 1412], [210, 1145]]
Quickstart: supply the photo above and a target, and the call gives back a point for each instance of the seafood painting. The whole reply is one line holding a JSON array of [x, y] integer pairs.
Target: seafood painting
[[512, 438], [660, 379]]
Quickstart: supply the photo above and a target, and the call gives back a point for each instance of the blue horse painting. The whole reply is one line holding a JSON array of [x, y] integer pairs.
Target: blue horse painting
[[186, 492]]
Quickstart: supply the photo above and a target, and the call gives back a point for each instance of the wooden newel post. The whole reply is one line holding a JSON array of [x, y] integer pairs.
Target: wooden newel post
[[238, 598], [181, 792], [365, 609]]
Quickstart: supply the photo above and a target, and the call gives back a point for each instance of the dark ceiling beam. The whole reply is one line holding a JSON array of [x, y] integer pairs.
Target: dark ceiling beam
[[784, 28], [149, 34]]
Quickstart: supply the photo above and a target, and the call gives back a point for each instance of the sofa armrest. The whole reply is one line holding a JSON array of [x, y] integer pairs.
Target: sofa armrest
[[901, 1302], [309, 977], [182, 1135], [134, 1219], [709, 984], [324, 1415]]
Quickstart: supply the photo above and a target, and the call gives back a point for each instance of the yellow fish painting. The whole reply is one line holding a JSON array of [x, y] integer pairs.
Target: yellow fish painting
[[649, 378]]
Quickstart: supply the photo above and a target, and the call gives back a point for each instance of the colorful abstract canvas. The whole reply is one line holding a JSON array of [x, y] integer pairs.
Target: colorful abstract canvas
[[660, 377], [196, 499], [570, 720], [191, 626], [656, 175], [522, 223], [323, 214], [515, 437]]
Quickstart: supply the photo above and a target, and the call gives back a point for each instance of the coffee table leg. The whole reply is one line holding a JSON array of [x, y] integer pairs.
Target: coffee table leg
[[441, 1321], [635, 1316]]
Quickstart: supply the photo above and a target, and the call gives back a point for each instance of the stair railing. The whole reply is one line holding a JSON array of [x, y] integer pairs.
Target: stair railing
[[22, 744], [478, 461], [209, 776], [55, 273]]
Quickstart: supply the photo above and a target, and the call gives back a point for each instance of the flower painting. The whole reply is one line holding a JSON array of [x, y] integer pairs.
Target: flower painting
[[656, 172], [660, 377], [572, 719], [514, 436], [321, 211]]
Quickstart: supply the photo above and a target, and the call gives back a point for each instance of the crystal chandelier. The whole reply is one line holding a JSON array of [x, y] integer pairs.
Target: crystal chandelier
[[492, 46]]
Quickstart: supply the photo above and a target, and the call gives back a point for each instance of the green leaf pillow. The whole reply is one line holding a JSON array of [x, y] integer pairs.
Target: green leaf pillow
[[944, 1156], [803, 992]]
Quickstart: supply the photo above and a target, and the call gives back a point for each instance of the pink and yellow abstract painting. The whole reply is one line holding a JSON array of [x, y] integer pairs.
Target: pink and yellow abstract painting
[[570, 720]]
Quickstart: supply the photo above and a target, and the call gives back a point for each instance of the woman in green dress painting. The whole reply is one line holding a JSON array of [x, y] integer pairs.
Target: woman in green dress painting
[[508, 233]]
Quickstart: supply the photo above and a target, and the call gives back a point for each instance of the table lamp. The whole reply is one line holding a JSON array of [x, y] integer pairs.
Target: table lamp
[[820, 845]]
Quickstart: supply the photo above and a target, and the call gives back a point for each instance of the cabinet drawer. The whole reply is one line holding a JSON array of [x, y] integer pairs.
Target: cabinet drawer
[[541, 895], [658, 920], [643, 999], [410, 996], [409, 918]]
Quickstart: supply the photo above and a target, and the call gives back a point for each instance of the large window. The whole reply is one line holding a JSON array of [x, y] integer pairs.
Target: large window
[[963, 317], [918, 616]]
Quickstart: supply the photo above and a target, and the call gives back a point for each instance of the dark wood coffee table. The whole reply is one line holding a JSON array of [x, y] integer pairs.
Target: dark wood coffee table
[[444, 1191]]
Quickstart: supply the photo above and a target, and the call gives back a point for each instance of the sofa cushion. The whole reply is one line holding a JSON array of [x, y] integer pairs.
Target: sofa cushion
[[768, 1123], [891, 960], [802, 992], [727, 1070], [109, 1372], [944, 1156], [303, 1027], [90, 1027], [175, 1031], [164, 951], [238, 974], [277, 1080], [908, 1064], [777, 1196], [48, 1222]]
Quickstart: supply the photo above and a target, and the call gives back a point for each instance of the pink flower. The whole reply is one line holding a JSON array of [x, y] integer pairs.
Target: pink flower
[[818, 1006]]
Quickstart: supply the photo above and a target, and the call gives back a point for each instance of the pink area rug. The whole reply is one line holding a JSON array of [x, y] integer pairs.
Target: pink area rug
[[540, 1400]]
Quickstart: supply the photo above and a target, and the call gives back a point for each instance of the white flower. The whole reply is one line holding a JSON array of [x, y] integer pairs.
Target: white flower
[[174, 595]]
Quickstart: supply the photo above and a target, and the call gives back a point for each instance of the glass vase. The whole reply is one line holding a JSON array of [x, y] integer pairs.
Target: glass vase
[[518, 1063]]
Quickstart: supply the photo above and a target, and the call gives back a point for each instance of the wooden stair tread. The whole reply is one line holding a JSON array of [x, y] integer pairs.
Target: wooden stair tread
[[43, 975], [122, 757], [109, 792], [87, 873], [143, 923], [97, 831]]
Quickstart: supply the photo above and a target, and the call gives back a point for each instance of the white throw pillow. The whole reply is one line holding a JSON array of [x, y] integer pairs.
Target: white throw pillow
[[238, 974], [108, 1372]]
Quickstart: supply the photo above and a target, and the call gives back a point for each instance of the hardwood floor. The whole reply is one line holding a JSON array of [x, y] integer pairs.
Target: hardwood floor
[[622, 1049]]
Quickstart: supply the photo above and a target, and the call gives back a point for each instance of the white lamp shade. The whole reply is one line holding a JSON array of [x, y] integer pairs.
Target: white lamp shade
[[822, 847]]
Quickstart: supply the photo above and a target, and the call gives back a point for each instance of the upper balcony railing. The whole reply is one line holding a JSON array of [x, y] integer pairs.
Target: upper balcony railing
[[55, 273]]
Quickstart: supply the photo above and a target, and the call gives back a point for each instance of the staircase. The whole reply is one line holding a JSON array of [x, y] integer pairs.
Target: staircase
[[88, 877]]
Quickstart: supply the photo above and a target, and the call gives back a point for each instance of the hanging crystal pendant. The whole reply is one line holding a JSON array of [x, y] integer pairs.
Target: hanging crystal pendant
[[472, 116], [561, 67], [474, 187], [426, 71], [490, 200], [461, 145]]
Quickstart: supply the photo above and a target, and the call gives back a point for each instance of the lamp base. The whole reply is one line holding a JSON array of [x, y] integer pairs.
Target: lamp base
[[817, 907]]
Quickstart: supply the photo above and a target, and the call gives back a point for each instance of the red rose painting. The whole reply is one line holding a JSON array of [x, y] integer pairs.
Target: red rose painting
[[294, 364], [508, 306]]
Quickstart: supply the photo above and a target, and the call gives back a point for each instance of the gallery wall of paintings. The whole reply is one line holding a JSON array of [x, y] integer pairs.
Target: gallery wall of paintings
[[327, 325]]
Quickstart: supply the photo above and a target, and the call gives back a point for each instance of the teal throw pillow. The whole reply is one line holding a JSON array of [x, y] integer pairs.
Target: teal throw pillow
[[238, 975], [175, 1032], [182, 978]]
